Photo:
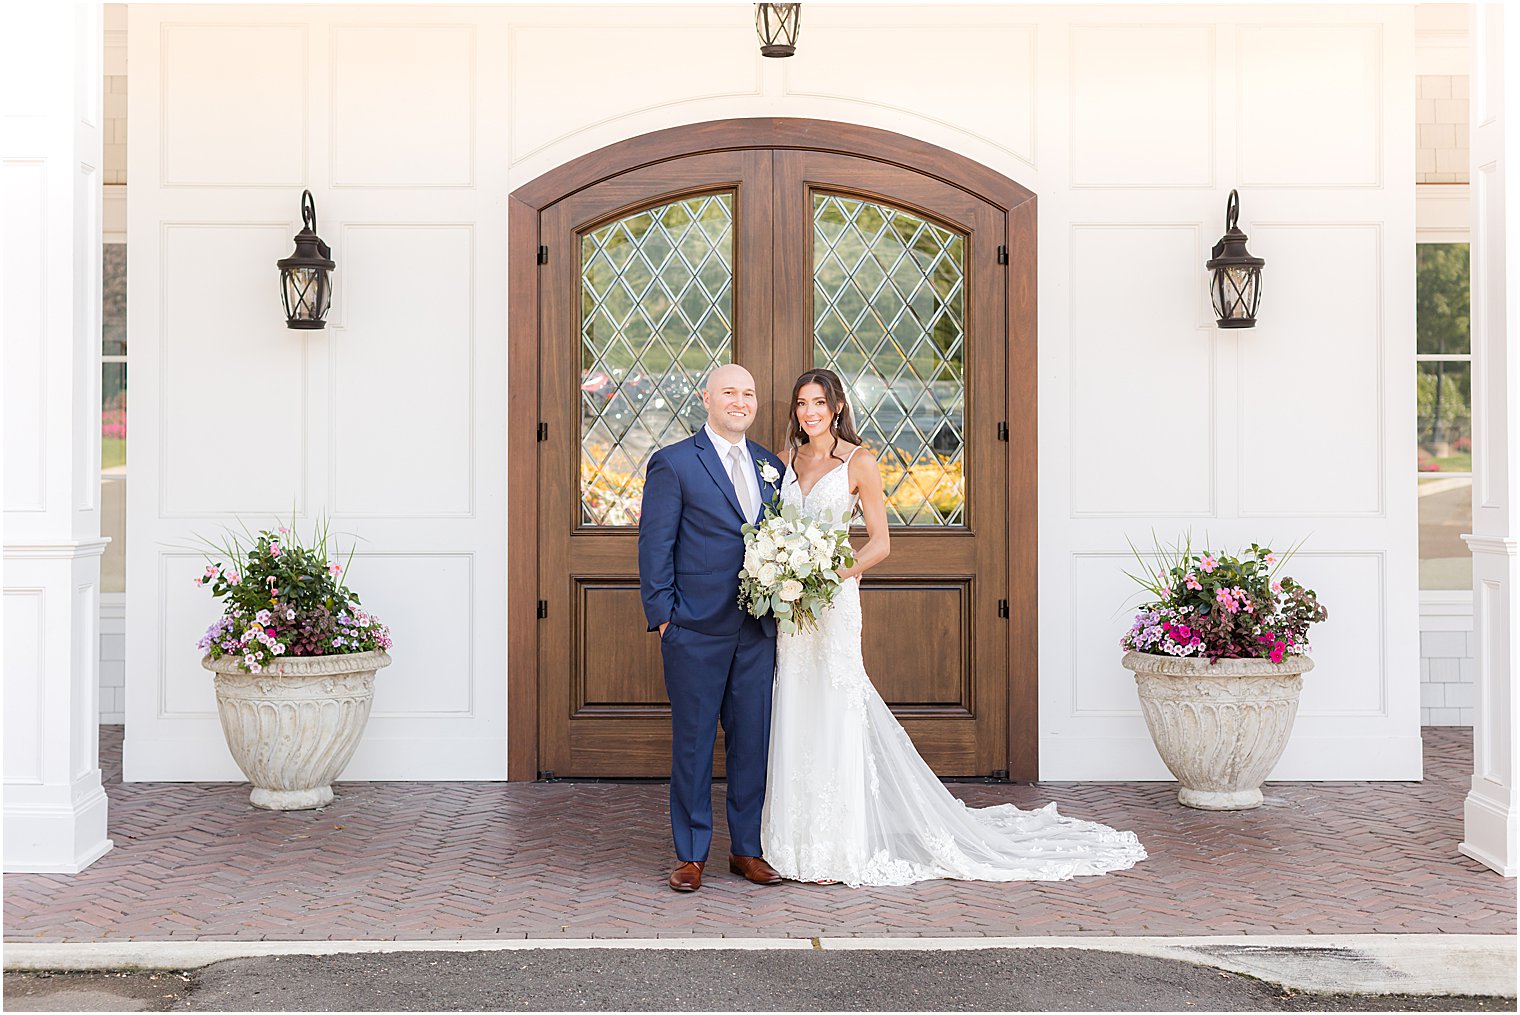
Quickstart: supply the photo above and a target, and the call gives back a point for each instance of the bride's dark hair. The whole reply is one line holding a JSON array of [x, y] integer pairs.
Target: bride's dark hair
[[843, 427]]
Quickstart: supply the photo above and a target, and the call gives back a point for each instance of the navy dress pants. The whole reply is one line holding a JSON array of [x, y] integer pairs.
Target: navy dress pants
[[708, 678]]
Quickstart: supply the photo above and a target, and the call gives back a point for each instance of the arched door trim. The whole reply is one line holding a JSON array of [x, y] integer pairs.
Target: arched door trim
[[525, 206]]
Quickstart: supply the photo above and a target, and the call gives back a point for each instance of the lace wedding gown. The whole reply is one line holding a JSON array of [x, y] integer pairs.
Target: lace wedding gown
[[849, 799]]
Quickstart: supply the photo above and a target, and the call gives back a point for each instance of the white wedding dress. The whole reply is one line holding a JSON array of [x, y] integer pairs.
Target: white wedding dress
[[849, 799]]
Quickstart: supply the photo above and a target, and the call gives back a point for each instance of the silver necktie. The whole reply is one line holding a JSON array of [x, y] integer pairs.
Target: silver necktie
[[741, 488]]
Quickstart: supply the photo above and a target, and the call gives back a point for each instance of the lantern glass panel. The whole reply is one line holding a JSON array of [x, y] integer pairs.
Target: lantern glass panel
[[1235, 292], [306, 293]]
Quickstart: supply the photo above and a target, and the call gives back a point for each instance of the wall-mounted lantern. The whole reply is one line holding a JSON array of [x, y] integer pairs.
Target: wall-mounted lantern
[[1235, 285], [304, 283], [776, 25]]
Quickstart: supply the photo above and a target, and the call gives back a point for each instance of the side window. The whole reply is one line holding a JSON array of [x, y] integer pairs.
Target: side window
[[1443, 408], [113, 416]]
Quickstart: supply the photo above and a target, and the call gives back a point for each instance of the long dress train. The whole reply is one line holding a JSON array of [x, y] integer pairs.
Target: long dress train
[[849, 799]]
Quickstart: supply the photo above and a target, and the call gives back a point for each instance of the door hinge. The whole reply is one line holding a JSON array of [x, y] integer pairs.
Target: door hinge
[[543, 431], [543, 255], [543, 608], [1003, 608], [1002, 254], [1002, 430]]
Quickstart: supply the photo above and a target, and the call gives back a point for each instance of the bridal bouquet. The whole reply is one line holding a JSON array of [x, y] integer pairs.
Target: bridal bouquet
[[791, 568], [1222, 606]]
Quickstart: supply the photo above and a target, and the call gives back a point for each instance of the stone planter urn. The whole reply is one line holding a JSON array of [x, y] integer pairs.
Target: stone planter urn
[[1220, 727], [294, 725]]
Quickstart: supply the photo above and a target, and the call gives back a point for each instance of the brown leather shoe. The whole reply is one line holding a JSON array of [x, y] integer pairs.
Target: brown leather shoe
[[754, 869], [688, 876]]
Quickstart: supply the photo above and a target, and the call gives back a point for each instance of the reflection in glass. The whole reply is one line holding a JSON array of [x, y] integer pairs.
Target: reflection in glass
[[113, 416], [1442, 298], [1445, 514], [113, 288], [656, 318], [889, 317], [1444, 409]]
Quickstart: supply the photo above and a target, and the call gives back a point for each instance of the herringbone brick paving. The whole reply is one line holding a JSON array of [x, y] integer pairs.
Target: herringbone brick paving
[[492, 860]]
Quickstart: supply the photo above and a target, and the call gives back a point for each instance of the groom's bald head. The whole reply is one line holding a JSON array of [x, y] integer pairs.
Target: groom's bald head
[[731, 400]]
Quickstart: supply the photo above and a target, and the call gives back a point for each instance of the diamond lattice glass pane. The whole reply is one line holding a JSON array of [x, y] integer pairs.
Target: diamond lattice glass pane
[[656, 318], [888, 317]]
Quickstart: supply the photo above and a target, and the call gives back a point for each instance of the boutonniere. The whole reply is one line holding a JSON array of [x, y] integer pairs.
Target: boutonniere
[[768, 472]]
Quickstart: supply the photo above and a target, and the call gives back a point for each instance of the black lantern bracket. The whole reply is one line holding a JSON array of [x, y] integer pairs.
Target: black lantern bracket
[[1234, 274], [305, 276]]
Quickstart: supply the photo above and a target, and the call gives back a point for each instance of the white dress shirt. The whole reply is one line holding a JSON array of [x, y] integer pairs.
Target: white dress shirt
[[723, 446]]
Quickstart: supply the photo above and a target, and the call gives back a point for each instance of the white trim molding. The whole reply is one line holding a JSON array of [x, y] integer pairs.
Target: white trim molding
[[1489, 812], [55, 806]]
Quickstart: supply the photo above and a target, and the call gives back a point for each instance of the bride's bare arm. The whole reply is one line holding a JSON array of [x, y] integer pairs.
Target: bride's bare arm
[[865, 481]]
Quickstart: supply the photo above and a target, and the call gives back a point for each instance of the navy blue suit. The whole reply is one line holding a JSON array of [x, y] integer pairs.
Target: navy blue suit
[[719, 661]]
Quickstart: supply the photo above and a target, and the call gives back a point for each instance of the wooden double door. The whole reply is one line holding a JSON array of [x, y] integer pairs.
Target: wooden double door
[[777, 259]]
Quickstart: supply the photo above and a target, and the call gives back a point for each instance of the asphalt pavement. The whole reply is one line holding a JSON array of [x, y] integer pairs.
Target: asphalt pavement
[[1024, 979]]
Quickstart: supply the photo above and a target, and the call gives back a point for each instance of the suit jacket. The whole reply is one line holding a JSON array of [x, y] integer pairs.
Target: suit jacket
[[690, 545]]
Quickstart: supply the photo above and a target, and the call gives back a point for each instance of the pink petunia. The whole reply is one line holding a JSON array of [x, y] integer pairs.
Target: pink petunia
[[1208, 563], [274, 549], [1193, 582]]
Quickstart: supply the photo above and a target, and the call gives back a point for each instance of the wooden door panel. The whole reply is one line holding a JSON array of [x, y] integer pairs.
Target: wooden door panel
[[621, 674], [845, 222], [646, 289], [918, 671]]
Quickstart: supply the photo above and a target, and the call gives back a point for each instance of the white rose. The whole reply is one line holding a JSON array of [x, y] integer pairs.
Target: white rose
[[764, 545], [791, 590], [821, 557], [751, 560], [798, 558], [766, 575]]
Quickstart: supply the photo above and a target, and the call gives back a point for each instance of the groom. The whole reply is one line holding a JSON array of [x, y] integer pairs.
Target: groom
[[719, 660]]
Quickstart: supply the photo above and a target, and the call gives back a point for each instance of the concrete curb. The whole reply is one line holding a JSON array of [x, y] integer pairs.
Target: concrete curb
[[1428, 964]]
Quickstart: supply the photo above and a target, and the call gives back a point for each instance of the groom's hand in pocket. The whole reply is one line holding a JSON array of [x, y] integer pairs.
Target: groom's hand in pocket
[[663, 627]]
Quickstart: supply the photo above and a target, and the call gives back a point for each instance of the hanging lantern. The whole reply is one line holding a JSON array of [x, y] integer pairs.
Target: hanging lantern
[[777, 27], [1235, 285], [304, 283]]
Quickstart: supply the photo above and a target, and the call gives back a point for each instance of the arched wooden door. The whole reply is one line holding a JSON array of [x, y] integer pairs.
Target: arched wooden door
[[778, 258]]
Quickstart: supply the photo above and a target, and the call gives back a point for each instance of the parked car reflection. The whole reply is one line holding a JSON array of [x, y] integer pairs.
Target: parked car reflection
[[898, 414]]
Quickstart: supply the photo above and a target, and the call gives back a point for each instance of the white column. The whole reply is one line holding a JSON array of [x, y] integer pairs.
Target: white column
[[50, 200], [1490, 809]]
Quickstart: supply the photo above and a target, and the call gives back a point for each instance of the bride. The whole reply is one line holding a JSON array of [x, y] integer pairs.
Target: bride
[[848, 799]]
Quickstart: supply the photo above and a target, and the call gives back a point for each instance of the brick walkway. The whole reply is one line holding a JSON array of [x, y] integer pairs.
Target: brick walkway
[[487, 860]]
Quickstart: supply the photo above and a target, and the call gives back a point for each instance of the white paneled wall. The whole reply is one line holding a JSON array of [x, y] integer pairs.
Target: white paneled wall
[[389, 421], [412, 124]]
